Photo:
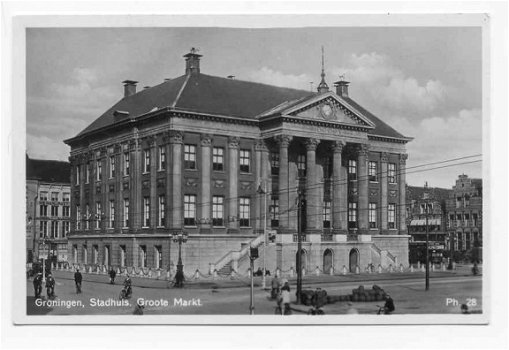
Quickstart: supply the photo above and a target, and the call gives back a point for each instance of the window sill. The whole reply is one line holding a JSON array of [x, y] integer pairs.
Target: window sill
[[161, 170], [145, 173], [190, 226], [194, 169], [145, 227], [373, 181]]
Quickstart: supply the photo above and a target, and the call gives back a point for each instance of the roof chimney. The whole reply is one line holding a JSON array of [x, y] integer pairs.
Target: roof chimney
[[129, 87], [192, 62], [342, 87]]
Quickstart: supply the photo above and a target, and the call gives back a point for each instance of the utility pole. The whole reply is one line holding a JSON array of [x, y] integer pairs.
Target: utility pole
[[426, 196], [299, 246], [264, 192], [253, 254]]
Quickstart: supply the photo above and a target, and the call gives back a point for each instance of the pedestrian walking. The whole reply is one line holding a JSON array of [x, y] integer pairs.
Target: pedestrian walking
[[113, 274], [77, 280], [38, 285], [50, 286]]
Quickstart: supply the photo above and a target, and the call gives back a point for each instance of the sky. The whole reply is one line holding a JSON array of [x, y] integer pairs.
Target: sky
[[425, 82]]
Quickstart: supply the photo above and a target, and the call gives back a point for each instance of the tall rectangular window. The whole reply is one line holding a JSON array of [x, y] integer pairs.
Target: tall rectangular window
[[301, 165], [162, 157], [112, 167], [66, 212], [43, 226], [391, 172], [274, 212], [244, 206], [244, 160], [217, 158], [352, 215], [372, 171], [391, 216], [217, 211], [43, 210], [112, 214], [189, 210], [352, 169], [146, 212], [474, 219], [87, 217], [126, 213], [274, 163], [158, 259], [78, 173], [54, 229], [87, 173], [85, 254], [99, 170], [326, 214], [162, 209], [143, 255], [372, 215], [54, 210], [146, 161], [450, 224], [95, 254], [126, 163], [66, 227], [78, 217], [98, 215], [190, 156]]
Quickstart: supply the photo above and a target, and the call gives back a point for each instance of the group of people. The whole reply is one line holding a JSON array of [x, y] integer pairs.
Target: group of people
[[50, 285]]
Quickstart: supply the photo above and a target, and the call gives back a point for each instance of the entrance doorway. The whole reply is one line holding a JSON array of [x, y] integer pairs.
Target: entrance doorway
[[354, 259], [327, 261]]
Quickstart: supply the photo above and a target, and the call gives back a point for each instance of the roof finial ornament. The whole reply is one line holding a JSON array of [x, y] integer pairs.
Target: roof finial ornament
[[323, 87], [194, 50], [342, 77]]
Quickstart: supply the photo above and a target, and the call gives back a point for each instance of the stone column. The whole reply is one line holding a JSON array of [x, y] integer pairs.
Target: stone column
[[362, 182], [104, 190], [177, 141], [283, 183], [340, 185], [119, 202], [153, 181], [267, 182], [383, 194], [401, 207], [313, 206], [135, 202], [233, 184], [91, 188], [82, 161], [205, 200], [169, 161]]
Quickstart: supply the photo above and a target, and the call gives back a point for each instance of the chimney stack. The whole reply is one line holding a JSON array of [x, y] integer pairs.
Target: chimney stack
[[129, 87], [342, 87], [192, 62]]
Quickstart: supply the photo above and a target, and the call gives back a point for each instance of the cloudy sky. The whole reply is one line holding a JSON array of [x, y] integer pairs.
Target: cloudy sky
[[425, 82]]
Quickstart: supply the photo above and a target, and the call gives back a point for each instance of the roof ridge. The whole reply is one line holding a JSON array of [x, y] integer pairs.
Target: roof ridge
[[180, 91]]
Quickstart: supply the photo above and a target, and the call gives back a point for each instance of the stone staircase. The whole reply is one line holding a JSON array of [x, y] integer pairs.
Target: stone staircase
[[230, 261], [386, 258]]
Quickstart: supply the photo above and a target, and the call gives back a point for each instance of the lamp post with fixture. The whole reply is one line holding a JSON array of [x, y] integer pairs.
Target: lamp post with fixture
[[180, 237]]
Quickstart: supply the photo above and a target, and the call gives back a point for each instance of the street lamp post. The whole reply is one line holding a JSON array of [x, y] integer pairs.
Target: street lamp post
[[264, 192], [299, 246], [180, 237], [425, 197]]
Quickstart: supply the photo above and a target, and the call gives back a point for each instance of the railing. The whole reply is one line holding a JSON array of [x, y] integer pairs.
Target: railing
[[302, 238], [237, 255]]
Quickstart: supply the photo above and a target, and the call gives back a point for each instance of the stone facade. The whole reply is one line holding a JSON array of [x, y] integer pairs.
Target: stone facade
[[224, 170]]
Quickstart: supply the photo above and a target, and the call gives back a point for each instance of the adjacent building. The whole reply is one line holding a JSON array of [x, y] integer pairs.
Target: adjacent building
[[48, 209], [431, 222], [464, 213], [221, 159]]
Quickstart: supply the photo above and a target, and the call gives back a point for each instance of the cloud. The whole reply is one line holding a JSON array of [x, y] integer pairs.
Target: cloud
[[43, 147], [268, 76], [387, 89]]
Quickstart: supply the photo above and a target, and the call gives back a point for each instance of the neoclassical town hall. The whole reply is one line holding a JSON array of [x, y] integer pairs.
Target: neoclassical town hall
[[222, 160]]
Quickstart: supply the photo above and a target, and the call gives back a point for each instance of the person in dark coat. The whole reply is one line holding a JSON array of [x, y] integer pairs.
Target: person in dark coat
[[50, 286], [38, 285], [77, 280], [179, 279], [389, 305], [113, 274]]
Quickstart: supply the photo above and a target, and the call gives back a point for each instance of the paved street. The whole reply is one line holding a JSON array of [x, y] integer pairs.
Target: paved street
[[232, 296]]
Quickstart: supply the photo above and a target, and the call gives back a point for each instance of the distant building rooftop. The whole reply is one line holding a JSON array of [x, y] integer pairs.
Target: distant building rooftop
[[48, 170]]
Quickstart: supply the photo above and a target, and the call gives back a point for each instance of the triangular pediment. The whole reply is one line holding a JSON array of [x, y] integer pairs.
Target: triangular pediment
[[328, 107]]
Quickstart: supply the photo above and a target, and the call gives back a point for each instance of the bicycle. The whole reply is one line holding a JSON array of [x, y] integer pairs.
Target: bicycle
[[125, 293], [382, 310], [315, 311]]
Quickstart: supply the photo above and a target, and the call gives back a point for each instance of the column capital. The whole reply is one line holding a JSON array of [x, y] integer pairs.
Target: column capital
[[311, 144], [150, 141], [363, 149], [384, 157], [233, 142], [176, 136], [260, 145], [337, 146], [402, 158], [206, 140], [283, 140]]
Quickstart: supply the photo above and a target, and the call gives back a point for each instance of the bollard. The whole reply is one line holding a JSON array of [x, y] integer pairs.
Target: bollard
[[418, 265], [331, 271], [344, 270], [196, 274], [390, 268], [303, 271], [411, 268], [357, 270], [400, 267], [423, 268], [249, 272], [317, 271], [215, 273], [379, 268], [443, 267], [291, 271], [278, 272]]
